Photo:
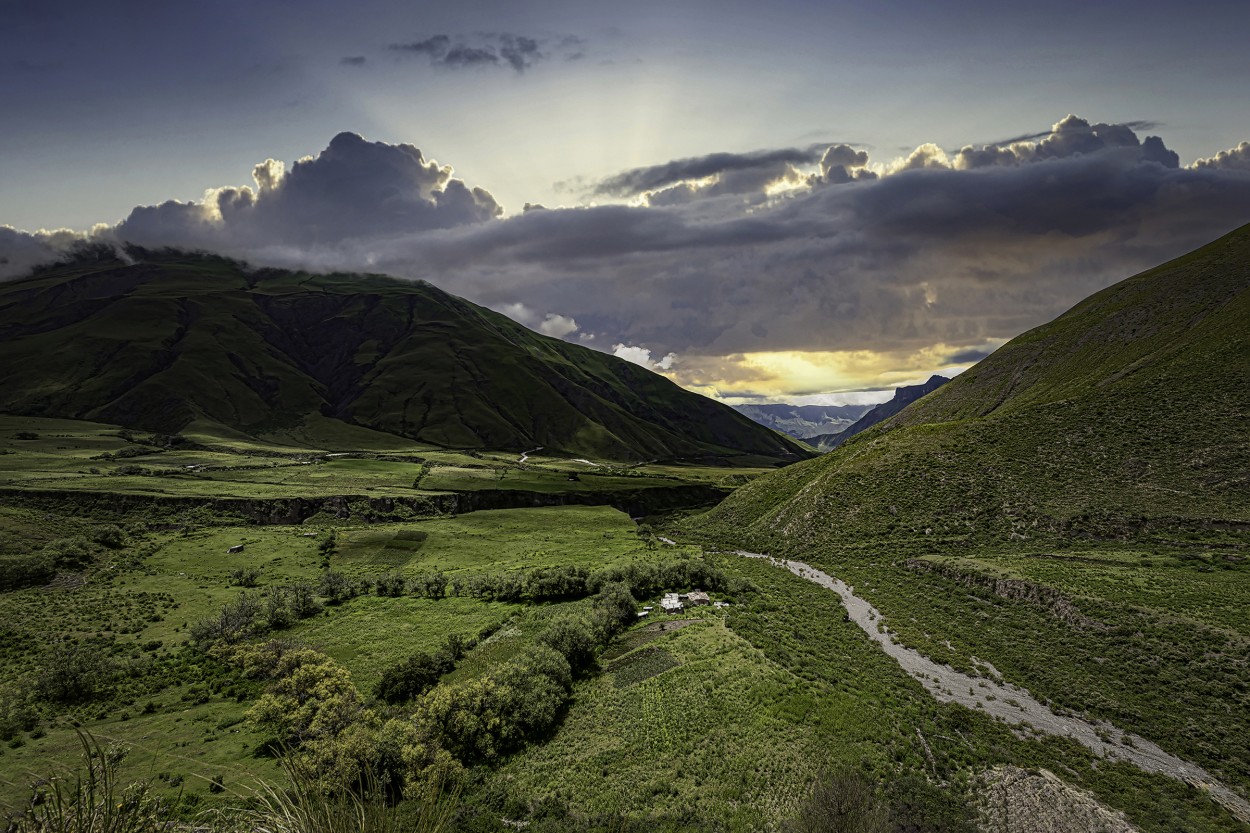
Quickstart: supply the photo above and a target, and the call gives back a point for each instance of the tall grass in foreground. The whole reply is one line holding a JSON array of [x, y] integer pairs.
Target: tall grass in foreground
[[306, 807], [96, 799]]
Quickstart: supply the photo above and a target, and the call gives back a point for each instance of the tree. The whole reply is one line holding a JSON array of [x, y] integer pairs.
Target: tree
[[391, 584], [430, 585], [573, 637], [72, 673], [336, 587], [413, 676], [237, 620], [616, 608], [329, 544], [311, 697], [303, 600], [277, 614], [840, 802]]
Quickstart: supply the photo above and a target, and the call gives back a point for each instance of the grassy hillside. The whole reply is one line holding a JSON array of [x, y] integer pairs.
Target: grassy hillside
[[1073, 510], [1125, 415], [176, 340]]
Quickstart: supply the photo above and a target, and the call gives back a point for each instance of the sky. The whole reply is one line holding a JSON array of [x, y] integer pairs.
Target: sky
[[792, 201]]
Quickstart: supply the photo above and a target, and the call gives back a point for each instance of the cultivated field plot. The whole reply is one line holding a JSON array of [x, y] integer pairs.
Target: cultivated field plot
[[370, 633], [497, 541], [73, 455]]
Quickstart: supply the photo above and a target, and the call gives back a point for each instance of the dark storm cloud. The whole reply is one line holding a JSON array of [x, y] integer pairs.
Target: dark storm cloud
[[637, 181], [931, 252], [469, 56], [518, 52], [353, 60], [935, 254]]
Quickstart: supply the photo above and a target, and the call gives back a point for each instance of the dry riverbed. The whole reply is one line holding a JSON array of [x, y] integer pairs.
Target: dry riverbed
[[1010, 703]]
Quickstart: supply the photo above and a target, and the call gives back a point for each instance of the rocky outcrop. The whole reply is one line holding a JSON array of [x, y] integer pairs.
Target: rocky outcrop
[[1015, 800], [1013, 589]]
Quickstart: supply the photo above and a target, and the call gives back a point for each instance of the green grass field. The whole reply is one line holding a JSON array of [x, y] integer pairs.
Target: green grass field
[[73, 455], [716, 720]]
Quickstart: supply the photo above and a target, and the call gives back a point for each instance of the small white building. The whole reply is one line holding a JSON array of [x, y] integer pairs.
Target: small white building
[[671, 603]]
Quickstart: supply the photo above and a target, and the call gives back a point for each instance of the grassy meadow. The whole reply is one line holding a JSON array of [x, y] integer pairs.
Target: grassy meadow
[[719, 719]]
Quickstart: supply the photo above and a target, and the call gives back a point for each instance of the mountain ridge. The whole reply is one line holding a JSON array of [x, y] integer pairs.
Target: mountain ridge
[[177, 338], [904, 395], [1124, 414]]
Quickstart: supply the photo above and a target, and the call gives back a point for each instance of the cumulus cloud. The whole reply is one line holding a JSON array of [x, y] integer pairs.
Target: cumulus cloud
[[1236, 159], [557, 326], [927, 155], [353, 189], [1070, 136], [642, 356], [843, 163], [958, 250], [504, 49]]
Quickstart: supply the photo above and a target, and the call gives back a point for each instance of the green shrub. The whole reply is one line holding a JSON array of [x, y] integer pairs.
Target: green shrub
[[413, 676]]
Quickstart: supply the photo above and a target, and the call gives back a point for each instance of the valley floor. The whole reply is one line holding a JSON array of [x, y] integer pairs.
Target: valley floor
[[721, 718]]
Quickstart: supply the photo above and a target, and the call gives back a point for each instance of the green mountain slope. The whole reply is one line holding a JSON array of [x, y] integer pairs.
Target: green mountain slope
[[175, 339], [1128, 412]]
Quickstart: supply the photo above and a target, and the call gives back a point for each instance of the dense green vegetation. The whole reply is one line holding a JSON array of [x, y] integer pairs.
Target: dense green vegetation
[[177, 342], [537, 708], [226, 611]]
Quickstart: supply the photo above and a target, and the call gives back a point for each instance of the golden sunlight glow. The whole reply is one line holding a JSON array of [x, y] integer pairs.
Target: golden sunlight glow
[[788, 375]]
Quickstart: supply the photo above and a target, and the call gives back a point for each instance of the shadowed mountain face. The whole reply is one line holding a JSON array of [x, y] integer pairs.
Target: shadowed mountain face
[[903, 396], [176, 338], [1126, 412]]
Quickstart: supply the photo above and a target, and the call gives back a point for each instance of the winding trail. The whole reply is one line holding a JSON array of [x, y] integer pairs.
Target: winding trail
[[1011, 703]]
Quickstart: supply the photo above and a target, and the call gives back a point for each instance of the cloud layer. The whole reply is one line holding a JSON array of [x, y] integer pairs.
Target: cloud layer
[[794, 271]]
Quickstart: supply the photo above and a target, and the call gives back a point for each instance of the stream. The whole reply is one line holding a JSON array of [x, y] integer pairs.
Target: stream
[[1012, 704]]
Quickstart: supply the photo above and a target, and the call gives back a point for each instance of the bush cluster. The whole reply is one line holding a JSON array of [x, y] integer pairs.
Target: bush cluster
[[254, 614]]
